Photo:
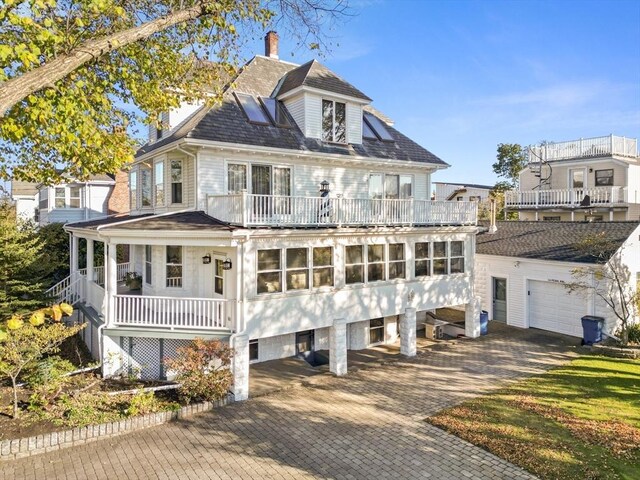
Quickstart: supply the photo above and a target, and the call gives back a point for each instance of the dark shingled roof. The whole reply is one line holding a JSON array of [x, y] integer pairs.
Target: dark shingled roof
[[225, 122], [19, 187], [315, 75], [191, 221], [549, 240]]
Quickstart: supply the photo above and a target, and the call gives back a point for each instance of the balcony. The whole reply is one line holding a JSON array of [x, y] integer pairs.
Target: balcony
[[567, 198], [248, 210], [585, 148]]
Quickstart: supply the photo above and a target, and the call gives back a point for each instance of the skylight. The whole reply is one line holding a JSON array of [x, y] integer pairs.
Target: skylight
[[252, 109], [367, 132], [276, 111], [378, 127]]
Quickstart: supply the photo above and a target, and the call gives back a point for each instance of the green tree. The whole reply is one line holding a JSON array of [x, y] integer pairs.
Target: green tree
[[72, 71], [511, 160], [20, 264]]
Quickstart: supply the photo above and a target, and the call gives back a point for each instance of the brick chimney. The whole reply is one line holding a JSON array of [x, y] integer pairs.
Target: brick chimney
[[119, 198], [271, 44]]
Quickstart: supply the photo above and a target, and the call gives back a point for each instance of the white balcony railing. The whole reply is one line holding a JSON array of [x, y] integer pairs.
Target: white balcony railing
[[570, 197], [585, 148], [277, 210], [174, 313]]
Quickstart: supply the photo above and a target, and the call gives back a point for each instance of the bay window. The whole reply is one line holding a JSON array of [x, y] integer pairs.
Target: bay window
[[67, 197]]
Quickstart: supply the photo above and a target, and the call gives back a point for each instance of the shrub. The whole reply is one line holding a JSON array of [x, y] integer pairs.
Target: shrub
[[202, 368], [634, 333], [143, 403], [47, 379]]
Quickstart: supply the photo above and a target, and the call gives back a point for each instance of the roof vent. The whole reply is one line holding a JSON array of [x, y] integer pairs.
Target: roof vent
[[271, 44]]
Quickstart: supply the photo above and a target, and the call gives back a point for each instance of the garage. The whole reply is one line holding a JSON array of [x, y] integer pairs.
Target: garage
[[552, 308]]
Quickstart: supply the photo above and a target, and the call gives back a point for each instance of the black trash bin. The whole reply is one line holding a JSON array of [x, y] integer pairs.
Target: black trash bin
[[592, 329], [484, 322]]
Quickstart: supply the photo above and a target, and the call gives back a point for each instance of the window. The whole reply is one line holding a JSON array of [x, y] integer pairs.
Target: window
[[253, 350], [604, 178], [174, 266], [354, 264], [423, 259], [376, 331], [375, 263], [277, 112], [440, 263], [74, 197], [459, 199], [159, 183], [367, 132], [147, 264], [397, 266], [269, 271], [145, 185], [297, 269], [176, 181], [60, 197], [44, 200], [252, 109], [218, 277], [322, 267], [133, 190], [236, 178], [457, 257], [475, 198], [554, 218], [334, 128], [378, 127], [390, 186], [593, 218], [577, 178]]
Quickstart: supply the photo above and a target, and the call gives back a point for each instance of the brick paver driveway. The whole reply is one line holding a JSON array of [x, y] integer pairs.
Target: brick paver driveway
[[367, 425]]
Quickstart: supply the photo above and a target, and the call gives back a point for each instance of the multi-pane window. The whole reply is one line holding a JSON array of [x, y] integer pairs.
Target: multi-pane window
[[391, 187], [159, 183], [376, 331], [44, 200], [133, 190], [297, 269], [147, 264], [456, 260], [60, 197], [334, 124], [74, 197], [440, 260], [397, 264], [145, 186], [354, 264], [176, 181], [67, 197], [604, 178], [375, 263], [422, 259], [322, 267], [174, 266], [236, 177], [269, 271]]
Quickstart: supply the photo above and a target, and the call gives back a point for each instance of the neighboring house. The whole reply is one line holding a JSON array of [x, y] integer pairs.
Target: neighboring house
[[288, 219], [462, 191], [593, 179], [72, 201], [521, 269]]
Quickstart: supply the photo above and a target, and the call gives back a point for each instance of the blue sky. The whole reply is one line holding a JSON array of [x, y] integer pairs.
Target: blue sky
[[461, 76]]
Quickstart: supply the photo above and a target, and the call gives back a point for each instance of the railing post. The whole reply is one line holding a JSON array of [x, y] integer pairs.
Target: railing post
[[244, 205], [611, 143]]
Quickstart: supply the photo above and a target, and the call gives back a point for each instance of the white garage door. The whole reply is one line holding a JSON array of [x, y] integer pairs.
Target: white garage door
[[552, 308]]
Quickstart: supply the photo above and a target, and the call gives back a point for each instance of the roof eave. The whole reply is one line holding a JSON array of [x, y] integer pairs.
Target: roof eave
[[317, 91]]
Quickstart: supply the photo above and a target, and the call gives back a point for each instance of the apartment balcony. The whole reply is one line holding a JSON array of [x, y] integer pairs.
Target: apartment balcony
[[248, 210], [567, 198], [611, 145]]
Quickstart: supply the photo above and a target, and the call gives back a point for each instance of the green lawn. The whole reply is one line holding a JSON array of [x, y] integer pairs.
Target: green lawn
[[580, 421]]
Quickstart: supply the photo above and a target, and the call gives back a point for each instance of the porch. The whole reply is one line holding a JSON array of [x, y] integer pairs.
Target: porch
[[566, 198]]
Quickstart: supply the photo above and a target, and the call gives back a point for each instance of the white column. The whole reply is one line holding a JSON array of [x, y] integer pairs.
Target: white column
[[472, 318], [338, 347], [408, 332], [90, 259], [110, 281], [73, 255], [573, 215], [240, 367], [111, 355]]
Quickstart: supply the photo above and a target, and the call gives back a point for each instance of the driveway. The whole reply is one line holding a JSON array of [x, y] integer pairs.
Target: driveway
[[369, 424]]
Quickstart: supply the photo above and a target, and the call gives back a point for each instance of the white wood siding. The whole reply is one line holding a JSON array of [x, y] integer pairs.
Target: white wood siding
[[354, 123], [313, 116], [295, 106]]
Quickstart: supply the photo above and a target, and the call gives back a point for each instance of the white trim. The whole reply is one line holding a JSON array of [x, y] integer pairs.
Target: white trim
[[317, 91]]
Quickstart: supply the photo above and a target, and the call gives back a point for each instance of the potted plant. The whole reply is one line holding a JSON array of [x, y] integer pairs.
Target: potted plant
[[133, 280]]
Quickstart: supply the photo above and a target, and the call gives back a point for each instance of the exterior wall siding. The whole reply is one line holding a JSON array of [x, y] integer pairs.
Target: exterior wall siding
[[313, 116], [295, 106], [354, 123], [560, 174]]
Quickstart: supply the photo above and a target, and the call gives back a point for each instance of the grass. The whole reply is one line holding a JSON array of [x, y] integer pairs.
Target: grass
[[580, 421]]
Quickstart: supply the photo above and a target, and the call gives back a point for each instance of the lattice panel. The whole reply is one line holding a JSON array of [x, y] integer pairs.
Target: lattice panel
[[170, 347], [126, 361], [145, 358]]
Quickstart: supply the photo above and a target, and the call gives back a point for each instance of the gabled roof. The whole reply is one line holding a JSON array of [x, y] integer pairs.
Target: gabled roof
[[315, 75], [180, 221], [550, 240], [226, 123]]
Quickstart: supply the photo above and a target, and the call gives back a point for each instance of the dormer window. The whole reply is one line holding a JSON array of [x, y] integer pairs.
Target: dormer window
[[334, 123], [252, 109]]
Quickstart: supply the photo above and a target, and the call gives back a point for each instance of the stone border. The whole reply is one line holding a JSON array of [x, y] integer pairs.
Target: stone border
[[48, 442], [618, 352]]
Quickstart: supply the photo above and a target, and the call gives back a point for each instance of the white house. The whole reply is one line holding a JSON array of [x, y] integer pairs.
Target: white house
[[594, 179], [288, 219], [72, 201], [467, 192], [521, 270]]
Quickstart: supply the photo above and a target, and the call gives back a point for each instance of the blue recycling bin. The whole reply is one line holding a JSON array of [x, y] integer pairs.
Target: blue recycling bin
[[484, 322], [591, 329]]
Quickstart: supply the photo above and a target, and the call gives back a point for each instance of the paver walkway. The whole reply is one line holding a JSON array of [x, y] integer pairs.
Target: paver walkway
[[368, 425]]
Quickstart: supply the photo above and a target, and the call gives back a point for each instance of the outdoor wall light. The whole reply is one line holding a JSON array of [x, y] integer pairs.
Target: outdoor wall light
[[324, 186], [516, 264], [206, 260], [227, 265]]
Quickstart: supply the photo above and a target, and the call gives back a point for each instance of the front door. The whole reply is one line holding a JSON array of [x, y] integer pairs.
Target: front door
[[499, 299], [304, 345]]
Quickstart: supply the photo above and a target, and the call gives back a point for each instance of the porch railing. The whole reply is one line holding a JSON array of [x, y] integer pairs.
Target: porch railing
[[570, 197], [70, 290], [98, 272], [174, 313], [278, 210], [585, 148]]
